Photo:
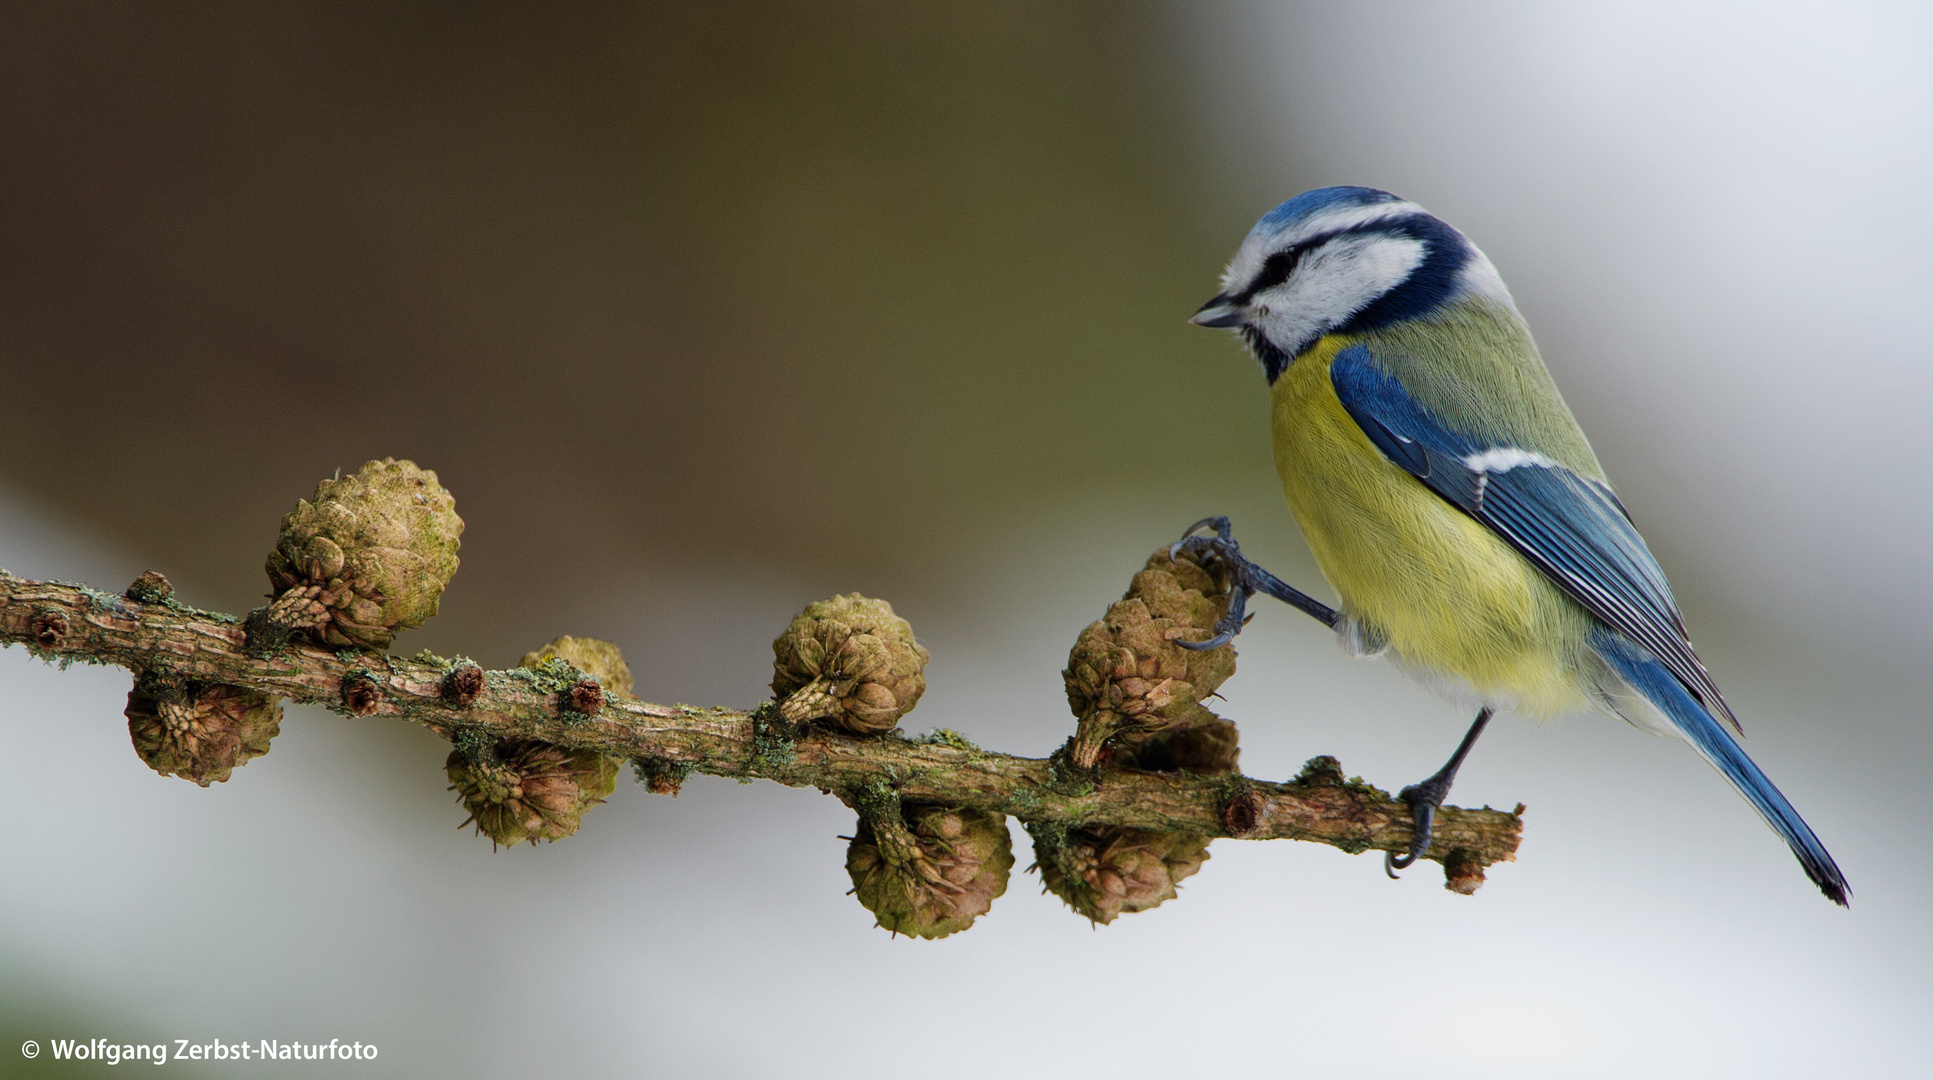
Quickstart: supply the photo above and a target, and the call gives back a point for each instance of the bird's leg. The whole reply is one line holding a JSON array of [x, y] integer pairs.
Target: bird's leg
[[1248, 579], [1424, 798]]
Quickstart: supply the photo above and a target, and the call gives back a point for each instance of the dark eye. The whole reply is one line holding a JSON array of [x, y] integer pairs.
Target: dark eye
[[1275, 270]]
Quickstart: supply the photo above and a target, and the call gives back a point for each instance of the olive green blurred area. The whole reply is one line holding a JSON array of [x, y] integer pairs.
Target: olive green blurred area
[[36, 1006], [820, 287]]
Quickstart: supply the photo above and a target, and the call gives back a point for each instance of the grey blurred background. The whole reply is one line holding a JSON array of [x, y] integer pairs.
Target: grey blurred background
[[707, 311]]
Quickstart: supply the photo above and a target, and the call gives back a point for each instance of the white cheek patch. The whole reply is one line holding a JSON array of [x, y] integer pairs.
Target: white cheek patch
[[1502, 459], [1357, 269], [1334, 282]]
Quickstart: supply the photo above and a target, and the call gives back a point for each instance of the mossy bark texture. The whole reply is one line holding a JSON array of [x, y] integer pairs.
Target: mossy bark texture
[[62, 622]]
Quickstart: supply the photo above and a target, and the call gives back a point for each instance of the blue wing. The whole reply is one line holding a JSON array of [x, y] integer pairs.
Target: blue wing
[[1571, 527], [1575, 531], [1648, 677]]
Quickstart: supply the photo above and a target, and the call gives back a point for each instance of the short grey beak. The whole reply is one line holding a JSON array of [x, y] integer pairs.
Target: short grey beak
[[1221, 311]]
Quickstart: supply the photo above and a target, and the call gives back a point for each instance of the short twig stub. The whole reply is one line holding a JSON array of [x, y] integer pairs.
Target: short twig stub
[[1243, 813], [49, 629], [361, 694], [462, 683], [585, 696]]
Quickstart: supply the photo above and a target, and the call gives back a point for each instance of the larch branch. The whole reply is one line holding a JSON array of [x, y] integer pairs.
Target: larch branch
[[63, 622]]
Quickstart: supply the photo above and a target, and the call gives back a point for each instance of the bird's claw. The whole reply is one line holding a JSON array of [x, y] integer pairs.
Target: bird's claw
[[1426, 798], [1216, 642], [1423, 799], [1245, 580], [1208, 551], [1228, 626]]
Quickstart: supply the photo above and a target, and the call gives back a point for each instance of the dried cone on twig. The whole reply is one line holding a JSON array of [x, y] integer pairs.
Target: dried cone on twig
[[599, 659], [1126, 674], [521, 790], [1103, 872], [850, 662], [367, 557], [934, 874], [200, 731]]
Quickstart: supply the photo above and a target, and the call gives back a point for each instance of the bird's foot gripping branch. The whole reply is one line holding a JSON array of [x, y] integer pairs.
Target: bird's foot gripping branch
[[1118, 816]]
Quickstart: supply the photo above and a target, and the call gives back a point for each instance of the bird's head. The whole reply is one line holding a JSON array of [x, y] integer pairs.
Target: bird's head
[[1342, 260]]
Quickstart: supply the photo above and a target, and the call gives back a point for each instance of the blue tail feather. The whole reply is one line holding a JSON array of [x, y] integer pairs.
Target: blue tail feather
[[1705, 732]]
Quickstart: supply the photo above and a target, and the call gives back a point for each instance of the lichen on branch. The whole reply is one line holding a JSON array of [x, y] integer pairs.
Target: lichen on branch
[[72, 623]]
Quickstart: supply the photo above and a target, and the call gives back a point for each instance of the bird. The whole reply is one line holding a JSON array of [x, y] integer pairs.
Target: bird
[[1450, 497]]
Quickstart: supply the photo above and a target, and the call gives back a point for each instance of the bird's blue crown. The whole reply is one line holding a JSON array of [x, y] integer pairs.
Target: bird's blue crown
[[1309, 203]]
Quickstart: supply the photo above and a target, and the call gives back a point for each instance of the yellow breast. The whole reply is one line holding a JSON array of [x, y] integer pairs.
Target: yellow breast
[[1446, 592]]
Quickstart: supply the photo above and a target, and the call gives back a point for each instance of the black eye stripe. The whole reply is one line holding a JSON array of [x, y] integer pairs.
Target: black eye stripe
[[1277, 267]]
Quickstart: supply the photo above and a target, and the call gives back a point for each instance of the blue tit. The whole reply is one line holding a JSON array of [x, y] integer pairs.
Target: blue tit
[[1450, 498]]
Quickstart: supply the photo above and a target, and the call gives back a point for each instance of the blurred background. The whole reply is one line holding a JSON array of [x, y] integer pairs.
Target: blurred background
[[704, 312]]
